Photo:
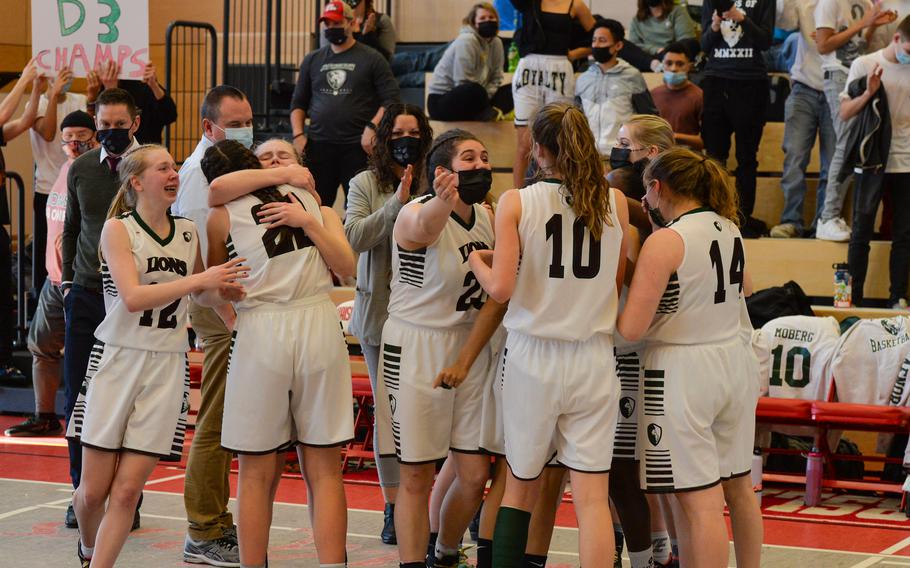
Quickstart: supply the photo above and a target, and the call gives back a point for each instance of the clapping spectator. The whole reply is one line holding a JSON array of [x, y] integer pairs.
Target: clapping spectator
[[657, 24], [679, 100], [467, 83], [611, 91], [49, 157], [736, 88], [9, 129], [343, 88], [373, 28]]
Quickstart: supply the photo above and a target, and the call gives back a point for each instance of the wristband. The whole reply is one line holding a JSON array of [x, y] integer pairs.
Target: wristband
[[371, 126], [296, 136]]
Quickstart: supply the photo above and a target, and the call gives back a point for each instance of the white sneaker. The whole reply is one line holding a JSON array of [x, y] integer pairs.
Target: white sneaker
[[901, 304], [833, 230], [785, 231]]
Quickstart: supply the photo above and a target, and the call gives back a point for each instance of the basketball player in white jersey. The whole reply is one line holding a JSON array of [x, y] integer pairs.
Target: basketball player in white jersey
[[434, 299], [132, 410], [560, 388], [289, 378], [700, 387]]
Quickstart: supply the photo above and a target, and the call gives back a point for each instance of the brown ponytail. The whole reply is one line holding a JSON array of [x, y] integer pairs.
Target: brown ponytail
[[691, 175], [564, 131]]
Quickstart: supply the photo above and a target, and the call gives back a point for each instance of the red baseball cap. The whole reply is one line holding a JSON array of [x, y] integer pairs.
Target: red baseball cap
[[336, 11]]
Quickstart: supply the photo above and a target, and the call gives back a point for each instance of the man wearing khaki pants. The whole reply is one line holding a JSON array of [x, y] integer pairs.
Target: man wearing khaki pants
[[211, 536]]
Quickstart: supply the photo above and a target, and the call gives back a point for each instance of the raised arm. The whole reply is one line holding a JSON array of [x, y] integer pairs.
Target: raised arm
[[10, 103], [230, 186], [46, 124], [115, 246], [16, 127], [660, 256], [498, 271], [365, 228], [421, 223]]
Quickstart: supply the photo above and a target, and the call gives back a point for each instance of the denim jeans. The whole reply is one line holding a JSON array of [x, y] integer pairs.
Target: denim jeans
[[84, 311], [836, 192], [805, 114]]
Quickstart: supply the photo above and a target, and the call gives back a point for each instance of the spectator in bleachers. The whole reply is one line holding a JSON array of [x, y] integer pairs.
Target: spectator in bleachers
[[155, 105], [397, 172], [611, 91], [736, 88], [656, 25], [467, 83], [546, 41], [843, 31], [679, 100], [344, 89], [92, 183], [806, 114], [876, 82], [373, 28], [9, 129], [49, 157], [45, 334]]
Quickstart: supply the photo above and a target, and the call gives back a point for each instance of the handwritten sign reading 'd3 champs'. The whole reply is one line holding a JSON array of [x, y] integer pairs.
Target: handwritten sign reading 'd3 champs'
[[84, 34]]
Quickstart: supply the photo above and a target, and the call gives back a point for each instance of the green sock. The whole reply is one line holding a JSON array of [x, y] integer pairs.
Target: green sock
[[510, 537]]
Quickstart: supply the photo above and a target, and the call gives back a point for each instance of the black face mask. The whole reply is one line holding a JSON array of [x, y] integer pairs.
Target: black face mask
[[601, 54], [405, 150], [473, 185], [619, 158], [336, 36], [654, 214], [654, 3], [488, 29], [115, 140]]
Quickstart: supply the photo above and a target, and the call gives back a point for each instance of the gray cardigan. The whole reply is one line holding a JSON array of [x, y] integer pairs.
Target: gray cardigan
[[368, 224]]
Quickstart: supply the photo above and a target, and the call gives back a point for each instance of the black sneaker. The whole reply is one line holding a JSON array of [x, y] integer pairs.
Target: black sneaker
[[83, 561], [447, 561], [71, 522], [35, 426], [135, 520], [388, 525]]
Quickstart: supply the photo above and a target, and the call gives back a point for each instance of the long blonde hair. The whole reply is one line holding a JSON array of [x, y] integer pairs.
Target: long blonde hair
[[564, 131], [132, 164], [650, 130], [696, 177]]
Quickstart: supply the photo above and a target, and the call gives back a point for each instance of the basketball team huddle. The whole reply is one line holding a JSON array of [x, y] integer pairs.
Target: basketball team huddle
[[546, 337]]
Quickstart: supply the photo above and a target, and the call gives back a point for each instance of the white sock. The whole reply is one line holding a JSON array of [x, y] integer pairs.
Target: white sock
[[87, 551], [660, 544], [443, 550], [641, 559]]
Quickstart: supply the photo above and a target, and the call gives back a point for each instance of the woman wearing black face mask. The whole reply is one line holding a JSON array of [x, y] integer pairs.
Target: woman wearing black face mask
[[434, 300], [374, 200], [467, 82]]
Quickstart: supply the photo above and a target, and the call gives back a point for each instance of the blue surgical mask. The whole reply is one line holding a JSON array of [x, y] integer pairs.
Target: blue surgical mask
[[244, 135], [675, 79], [902, 56]]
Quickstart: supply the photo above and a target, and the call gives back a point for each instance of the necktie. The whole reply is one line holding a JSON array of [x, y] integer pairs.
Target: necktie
[[113, 163]]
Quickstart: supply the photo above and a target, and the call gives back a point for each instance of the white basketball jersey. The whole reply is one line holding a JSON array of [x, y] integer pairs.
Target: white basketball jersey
[[868, 360], [799, 350], [900, 394], [566, 286], [285, 265], [157, 261], [433, 286], [703, 301]]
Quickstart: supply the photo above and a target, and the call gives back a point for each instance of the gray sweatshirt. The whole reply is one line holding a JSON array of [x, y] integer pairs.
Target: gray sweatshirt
[[469, 58]]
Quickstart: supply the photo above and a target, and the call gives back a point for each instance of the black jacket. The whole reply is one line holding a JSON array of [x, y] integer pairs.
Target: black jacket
[[869, 137]]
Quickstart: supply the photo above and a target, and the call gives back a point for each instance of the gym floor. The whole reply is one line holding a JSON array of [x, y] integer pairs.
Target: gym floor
[[35, 490]]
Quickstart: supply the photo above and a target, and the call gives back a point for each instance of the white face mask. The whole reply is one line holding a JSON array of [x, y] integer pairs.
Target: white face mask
[[243, 135]]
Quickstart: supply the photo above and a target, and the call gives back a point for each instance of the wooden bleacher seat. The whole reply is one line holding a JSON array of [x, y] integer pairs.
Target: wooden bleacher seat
[[772, 262]]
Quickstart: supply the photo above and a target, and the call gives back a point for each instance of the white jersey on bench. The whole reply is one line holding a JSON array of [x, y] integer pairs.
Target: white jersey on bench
[[799, 350], [868, 359]]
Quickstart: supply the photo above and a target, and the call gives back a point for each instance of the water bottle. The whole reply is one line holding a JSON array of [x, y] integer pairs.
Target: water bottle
[[814, 471], [843, 286], [756, 474], [513, 57]]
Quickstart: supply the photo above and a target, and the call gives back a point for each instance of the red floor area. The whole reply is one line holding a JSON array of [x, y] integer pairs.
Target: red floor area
[[45, 459]]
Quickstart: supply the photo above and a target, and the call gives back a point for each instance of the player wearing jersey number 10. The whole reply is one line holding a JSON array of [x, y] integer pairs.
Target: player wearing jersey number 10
[[569, 232], [133, 411], [700, 385]]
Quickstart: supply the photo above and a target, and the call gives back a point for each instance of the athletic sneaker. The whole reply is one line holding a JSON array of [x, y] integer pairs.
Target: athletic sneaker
[[35, 426], [785, 231], [83, 561], [217, 552], [70, 521], [457, 560], [833, 230]]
